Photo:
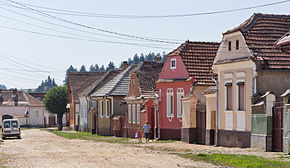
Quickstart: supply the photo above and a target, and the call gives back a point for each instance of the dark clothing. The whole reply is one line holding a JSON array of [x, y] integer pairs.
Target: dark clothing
[[147, 135]]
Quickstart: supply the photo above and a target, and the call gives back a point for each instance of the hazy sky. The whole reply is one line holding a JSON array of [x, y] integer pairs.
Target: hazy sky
[[32, 57]]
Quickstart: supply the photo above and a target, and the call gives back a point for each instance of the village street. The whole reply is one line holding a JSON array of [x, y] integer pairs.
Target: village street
[[44, 149]]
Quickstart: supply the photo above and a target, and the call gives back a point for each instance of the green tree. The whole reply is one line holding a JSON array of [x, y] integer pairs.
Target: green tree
[[70, 69], [111, 66], [83, 69], [136, 58], [45, 85], [92, 68], [55, 102], [3, 87], [102, 69]]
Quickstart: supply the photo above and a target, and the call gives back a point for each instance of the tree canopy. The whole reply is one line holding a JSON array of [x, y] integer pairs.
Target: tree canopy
[[45, 85], [3, 87], [111, 65], [55, 101]]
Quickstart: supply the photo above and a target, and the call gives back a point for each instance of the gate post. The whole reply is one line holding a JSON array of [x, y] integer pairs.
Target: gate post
[[286, 111], [269, 104]]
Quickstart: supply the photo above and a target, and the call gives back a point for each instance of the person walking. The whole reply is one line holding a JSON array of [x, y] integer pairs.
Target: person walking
[[147, 129], [139, 135]]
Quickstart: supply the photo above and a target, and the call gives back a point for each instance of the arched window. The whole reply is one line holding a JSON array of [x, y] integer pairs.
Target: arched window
[[180, 94], [170, 102]]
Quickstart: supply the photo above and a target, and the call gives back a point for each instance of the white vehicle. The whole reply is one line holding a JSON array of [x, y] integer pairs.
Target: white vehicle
[[11, 128]]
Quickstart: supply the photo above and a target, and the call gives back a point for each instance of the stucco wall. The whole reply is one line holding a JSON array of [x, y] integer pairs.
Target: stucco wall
[[179, 72], [171, 122], [198, 90], [36, 114], [275, 81], [234, 72]]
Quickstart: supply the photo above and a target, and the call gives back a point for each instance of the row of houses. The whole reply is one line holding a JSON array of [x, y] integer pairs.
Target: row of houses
[[27, 108], [233, 93]]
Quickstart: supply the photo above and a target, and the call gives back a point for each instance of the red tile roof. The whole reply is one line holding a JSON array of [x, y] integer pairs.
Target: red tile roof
[[198, 58], [284, 43], [147, 75], [79, 81], [261, 31]]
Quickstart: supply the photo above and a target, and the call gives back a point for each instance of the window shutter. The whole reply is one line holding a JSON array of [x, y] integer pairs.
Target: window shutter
[[241, 97], [229, 98]]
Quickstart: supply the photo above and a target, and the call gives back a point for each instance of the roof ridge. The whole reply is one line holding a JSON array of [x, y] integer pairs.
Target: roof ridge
[[250, 22], [128, 70], [96, 83]]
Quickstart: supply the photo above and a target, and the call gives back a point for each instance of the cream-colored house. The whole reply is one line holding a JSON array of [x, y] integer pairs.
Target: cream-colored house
[[249, 68], [22, 106]]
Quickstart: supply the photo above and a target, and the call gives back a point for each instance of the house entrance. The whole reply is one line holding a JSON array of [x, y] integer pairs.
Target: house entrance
[[277, 137]]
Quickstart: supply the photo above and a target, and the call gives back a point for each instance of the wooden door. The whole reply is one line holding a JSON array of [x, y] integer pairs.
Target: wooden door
[[277, 137]]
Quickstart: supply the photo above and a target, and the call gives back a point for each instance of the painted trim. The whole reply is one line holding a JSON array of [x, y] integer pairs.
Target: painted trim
[[129, 113], [107, 112], [134, 113], [240, 74], [237, 94], [180, 94], [171, 60], [169, 93], [225, 88], [228, 75], [101, 109], [138, 114]]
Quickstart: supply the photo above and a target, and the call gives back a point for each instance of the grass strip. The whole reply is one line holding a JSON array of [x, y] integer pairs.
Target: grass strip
[[236, 160], [98, 138], [94, 137]]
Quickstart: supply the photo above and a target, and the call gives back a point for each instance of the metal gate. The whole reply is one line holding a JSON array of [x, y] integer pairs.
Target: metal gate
[[277, 137]]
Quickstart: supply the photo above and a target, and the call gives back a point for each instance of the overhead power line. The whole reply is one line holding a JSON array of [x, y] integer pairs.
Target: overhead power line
[[90, 27], [120, 16], [83, 39]]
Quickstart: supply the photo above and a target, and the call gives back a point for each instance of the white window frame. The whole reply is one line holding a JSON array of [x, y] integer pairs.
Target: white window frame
[[171, 60], [129, 113], [226, 98], [134, 113], [107, 110], [170, 112], [138, 113], [101, 109], [180, 94], [238, 94]]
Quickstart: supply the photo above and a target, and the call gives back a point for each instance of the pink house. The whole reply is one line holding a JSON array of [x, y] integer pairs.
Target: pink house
[[186, 70]]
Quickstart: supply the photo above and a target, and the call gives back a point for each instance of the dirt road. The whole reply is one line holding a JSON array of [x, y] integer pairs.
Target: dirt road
[[44, 149]]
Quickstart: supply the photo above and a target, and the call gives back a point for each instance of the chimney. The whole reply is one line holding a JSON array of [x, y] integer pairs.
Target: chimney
[[124, 65], [15, 97], [157, 59]]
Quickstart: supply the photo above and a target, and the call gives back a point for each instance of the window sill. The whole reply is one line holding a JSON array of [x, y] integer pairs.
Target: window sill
[[240, 111], [228, 111]]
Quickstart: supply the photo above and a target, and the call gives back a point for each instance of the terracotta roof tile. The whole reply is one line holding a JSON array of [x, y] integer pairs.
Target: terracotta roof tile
[[261, 31], [100, 82], [198, 58], [147, 75], [24, 99], [79, 81]]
